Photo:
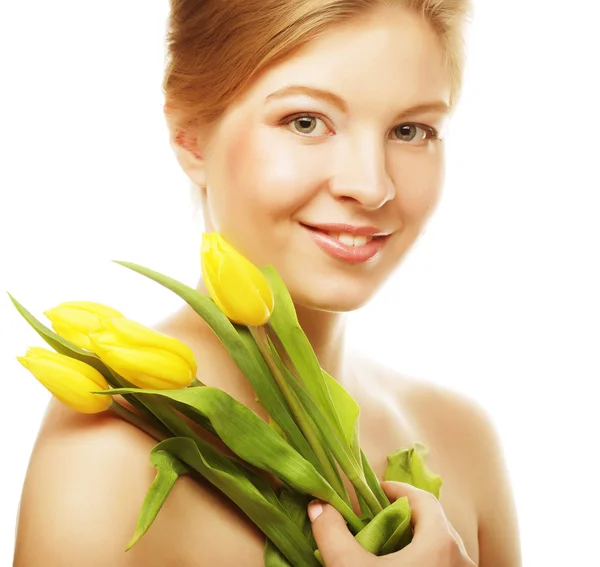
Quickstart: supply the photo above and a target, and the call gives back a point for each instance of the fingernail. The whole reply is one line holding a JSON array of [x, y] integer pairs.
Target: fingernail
[[315, 509]]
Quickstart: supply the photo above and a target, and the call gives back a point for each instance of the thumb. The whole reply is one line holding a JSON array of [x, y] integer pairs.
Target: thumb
[[334, 540]]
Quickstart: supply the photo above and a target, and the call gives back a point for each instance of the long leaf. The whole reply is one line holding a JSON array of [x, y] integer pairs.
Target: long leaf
[[387, 532], [260, 379], [249, 437], [296, 506], [285, 324], [302, 446], [329, 467], [271, 519], [168, 470], [335, 442], [373, 481]]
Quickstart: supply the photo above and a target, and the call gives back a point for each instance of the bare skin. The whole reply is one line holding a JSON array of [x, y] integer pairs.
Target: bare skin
[[88, 476]]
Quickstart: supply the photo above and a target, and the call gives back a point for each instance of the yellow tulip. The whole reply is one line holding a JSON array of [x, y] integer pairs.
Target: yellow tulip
[[75, 320], [145, 357], [69, 380], [235, 284]]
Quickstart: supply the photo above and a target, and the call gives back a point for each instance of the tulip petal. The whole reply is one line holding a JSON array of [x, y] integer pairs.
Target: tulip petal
[[72, 334], [252, 273], [124, 332], [209, 275], [242, 299], [234, 283], [98, 309], [70, 381], [146, 367]]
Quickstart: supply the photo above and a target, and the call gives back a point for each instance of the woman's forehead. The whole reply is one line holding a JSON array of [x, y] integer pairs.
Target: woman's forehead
[[399, 55]]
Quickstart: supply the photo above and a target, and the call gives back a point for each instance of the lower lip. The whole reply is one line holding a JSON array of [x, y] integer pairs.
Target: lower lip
[[350, 254]]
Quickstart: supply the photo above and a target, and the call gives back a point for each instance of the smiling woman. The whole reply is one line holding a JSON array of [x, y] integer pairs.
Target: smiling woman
[[314, 132]]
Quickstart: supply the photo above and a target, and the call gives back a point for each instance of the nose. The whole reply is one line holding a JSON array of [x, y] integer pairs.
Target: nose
[[361, 174]]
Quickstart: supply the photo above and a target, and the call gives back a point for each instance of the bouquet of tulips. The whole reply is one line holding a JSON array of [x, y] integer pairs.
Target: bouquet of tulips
[[311, 439]]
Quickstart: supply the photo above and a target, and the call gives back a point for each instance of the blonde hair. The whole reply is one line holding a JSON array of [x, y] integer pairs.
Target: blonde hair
[[215, 48]]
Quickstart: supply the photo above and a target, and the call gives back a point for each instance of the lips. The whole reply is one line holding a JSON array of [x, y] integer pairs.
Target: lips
[[339, 228], [375, 241]]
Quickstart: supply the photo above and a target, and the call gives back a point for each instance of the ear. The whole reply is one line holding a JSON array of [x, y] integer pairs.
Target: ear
[[187, 147]]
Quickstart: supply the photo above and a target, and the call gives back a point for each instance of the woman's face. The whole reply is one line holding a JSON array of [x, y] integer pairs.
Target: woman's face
[[328, 137]]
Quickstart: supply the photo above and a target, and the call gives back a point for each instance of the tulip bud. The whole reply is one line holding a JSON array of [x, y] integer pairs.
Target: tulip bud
[[69, 380], [237, 286], [145, 357], [75, 320]]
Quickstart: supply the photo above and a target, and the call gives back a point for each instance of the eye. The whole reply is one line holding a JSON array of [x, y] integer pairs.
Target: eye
[[305, 124], [412, 133]]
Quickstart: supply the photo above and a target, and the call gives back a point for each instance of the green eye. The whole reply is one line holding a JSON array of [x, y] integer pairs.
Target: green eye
[[305, 124], [412, 132]]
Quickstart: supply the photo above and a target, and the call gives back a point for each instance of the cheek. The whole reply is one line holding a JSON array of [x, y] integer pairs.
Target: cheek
[[268, 174], [420, 178]]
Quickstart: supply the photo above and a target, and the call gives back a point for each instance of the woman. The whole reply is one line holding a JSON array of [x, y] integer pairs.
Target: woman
[[313, 130]]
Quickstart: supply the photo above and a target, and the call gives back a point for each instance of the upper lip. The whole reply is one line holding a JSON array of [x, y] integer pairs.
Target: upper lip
[[349, 229]]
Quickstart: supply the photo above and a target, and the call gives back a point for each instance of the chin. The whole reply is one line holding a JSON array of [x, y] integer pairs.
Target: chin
[[337, 297]]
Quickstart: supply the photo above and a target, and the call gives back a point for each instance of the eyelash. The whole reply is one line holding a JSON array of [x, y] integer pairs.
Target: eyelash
[[432, 133]]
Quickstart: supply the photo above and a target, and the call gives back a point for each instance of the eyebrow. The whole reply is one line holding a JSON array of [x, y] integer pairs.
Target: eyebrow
[[341, 104]]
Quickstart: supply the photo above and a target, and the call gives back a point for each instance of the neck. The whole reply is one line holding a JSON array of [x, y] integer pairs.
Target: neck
[[325, 331]]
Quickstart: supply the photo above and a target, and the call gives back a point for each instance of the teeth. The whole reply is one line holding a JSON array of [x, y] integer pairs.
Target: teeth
[[347, 239], [350, 240]]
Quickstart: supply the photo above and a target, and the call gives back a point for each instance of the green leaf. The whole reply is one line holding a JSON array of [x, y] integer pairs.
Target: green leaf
[[408, 465], [389, 531], [298, 440], [169, 468], [275, 427], [286, 326], [236, 344], [322, 450], [348, 411], [249, 437], [296, 506], [333, 441], [373, 482], [269, 516], [345, 406], [274, 557]]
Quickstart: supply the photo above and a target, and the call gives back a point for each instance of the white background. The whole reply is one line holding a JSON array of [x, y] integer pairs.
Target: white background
[[499, 299]]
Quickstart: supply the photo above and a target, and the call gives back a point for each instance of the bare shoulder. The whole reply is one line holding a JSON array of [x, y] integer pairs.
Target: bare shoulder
[[85, 485], [466, 431]]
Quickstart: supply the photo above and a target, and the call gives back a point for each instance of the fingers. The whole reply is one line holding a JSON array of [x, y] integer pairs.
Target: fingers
[[426, 511], [430, 525], [334, 540]]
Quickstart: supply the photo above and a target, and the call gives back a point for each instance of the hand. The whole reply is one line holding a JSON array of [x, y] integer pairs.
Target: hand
[[435, 542]]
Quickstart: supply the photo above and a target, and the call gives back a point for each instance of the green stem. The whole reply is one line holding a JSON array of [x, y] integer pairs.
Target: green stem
[[343, 455], [195, 383], [302, 419], [138, 421]]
